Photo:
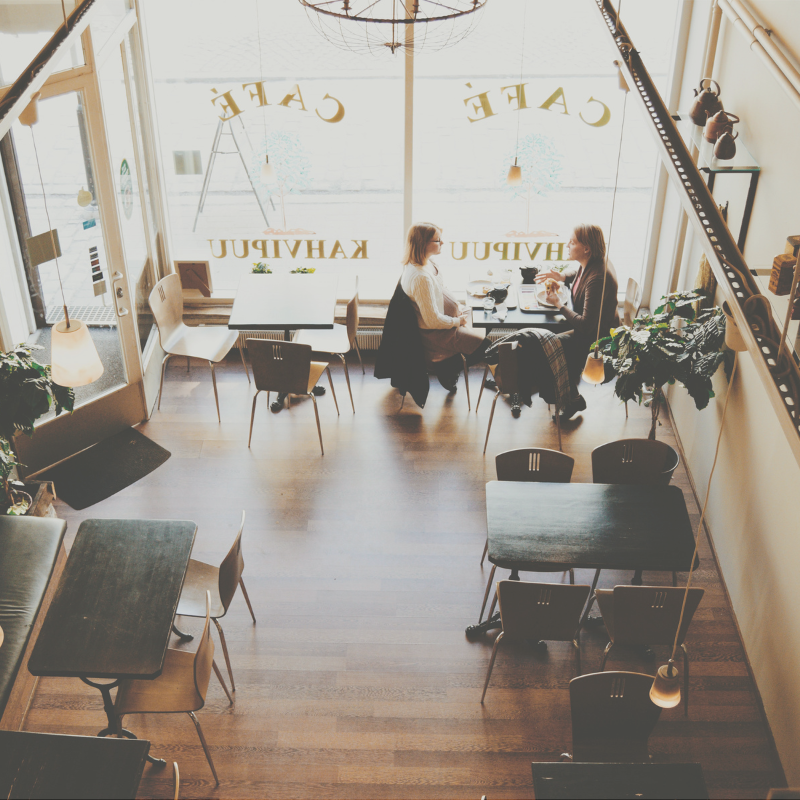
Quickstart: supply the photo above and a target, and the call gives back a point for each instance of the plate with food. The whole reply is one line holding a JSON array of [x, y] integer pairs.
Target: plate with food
[[552, 285], [479, 288]]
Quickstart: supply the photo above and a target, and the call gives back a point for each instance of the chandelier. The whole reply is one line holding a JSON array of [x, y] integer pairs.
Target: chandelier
[[380, 26]]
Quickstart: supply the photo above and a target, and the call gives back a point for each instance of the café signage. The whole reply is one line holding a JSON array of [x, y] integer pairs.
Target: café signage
[[328, 109]]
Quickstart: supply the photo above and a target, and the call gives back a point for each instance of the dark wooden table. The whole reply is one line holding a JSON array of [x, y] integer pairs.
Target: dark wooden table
[[586, 525], [113, 610], [284, 303], [568, 780], [48, 765], [518, 317]]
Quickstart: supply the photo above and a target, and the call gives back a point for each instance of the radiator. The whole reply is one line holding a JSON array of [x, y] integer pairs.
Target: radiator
[[367, 338]]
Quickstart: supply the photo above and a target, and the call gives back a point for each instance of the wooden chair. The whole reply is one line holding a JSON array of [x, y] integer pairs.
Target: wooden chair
[[286, 367], [632, 303], [179, 689], [176, 780], [211, 343], [532, 464], [539, 611], [339, 341], [612, 717], [505, 374], [220, 582], [635, 461], [648, 615]]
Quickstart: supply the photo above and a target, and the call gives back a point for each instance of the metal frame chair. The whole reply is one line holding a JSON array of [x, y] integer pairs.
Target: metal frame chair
[[178, 339], [180, 688], [286, 367], [539, 611], [221, 582], [339, 341], [648, 615]]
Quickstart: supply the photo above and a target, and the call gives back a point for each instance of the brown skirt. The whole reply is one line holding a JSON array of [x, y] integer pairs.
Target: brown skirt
[[442, 343]]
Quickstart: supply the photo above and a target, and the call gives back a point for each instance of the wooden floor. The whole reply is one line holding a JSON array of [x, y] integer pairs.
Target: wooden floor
[[363, 569]]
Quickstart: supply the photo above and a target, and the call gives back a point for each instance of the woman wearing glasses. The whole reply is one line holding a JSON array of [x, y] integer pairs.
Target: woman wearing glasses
[[446, 333]]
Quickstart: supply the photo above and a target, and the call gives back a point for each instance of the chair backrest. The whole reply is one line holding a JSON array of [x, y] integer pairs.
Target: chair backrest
[[166, 303], [549, 611], [633, 461], [506, 373], [612, 716], [230, 570], [534, 464], [280, 366], [650, 614], [351, 318], [633, 302], [203, 658]]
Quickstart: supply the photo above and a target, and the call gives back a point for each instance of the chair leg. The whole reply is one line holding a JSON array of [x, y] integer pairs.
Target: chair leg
[[558, 429], [491, 608], [674, 578], [247, 599], [333, 391], [485, 550], [572, 576], [221, 681], [480, 393], [319, 430], [203, 742], [214, 381], [253, 416], [685, 680], [605, 655], [347, 378], [358, 353], [486, 595], [225, 653], [491, 665], [491, 417], [626, 409], [163, 370], [577, 642], [466, 381], [244, 363], [402, 402]]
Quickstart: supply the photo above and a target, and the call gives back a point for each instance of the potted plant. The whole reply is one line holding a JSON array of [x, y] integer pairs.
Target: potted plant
[[26, 392], [676, 343], [261, 268]]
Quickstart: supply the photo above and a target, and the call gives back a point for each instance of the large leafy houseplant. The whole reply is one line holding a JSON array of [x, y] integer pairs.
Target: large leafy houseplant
[[676, 343], [26, 392]]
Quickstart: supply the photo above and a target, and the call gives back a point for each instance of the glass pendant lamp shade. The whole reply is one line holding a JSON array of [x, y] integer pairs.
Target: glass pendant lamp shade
[[514, 175], [733, 337], [74, 357], [595, 370], [666, 689], [267, 171]]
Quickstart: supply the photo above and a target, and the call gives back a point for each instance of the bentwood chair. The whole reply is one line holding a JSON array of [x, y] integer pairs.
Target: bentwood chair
[[529, 464], [180, 688], [648, 615], [635, 461], [632, 303], [176, 780], [539, 611], [221, 583], [211, 343], [286, 367], [339, 341], [612, 717]]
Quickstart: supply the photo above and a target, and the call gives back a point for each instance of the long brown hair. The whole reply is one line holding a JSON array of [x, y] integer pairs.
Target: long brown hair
[[591, 237], [419, 237]]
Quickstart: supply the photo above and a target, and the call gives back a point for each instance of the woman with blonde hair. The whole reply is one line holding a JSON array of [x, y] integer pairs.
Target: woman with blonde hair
[[591, 303], [446, 332]]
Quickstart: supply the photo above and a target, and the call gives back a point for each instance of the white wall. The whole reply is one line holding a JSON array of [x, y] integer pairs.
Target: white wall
[[754, 509]]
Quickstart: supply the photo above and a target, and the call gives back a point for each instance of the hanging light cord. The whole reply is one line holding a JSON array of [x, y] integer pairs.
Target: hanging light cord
[[705, 506], [521, 68], [50, 227], [261, 69]]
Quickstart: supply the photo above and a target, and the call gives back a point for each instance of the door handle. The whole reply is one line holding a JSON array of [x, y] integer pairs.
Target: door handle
[[120, 293]]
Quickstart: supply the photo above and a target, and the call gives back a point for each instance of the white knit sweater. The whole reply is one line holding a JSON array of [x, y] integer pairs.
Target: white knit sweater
[[424, 287]]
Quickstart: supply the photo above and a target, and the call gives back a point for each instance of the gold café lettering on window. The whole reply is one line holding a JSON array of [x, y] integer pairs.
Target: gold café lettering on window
[[329, 109], [480, 105], [554, 251]]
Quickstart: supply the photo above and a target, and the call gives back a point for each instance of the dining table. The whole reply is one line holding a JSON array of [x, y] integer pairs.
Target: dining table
[[113, 611], [521, 309], [54, 765], [560, 526]]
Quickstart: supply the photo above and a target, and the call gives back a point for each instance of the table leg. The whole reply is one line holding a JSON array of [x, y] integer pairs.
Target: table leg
[[590, 603], [516, 405], [114, 726]]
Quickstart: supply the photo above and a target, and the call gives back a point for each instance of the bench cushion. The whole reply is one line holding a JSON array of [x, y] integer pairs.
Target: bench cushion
[[28, 550]]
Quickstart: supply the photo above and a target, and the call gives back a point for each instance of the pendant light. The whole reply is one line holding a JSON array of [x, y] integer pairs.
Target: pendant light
[[666, 689], [267, 170], [73, 356], [594, 371], [515, 172]]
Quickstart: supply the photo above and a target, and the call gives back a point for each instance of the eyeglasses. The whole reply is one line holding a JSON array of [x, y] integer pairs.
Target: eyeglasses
[[437, 241]]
